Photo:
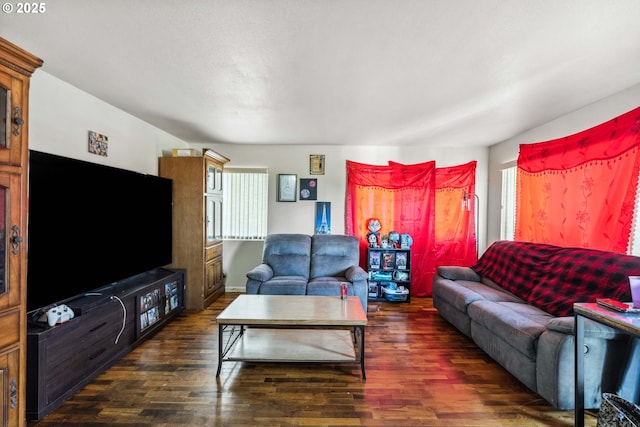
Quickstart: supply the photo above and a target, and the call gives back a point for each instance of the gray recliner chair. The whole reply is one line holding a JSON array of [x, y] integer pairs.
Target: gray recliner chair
[[298, 264]]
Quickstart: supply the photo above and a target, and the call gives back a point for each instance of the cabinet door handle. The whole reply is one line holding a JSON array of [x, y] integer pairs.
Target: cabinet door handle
[[16, 239], [101, 325], [96, 353], [17, 121], [13, 393]]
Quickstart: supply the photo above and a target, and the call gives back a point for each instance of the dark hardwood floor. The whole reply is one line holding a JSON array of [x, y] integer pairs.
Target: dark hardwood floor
[[420, 372]]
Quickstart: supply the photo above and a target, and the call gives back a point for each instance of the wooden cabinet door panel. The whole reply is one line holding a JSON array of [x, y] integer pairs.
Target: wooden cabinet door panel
[[14, 244], [15, 119], [9, 408], [213, 276]]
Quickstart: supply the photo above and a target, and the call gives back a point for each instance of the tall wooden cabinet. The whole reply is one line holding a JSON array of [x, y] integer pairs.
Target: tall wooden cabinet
[[197, 223], [16, 68]]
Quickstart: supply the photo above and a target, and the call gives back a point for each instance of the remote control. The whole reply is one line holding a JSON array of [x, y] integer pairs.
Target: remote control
[[612, 304]]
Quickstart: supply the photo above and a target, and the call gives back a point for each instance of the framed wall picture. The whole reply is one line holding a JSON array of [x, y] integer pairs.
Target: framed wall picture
[[98, 144], [323, 218], [287, 187], [316, 164], [308, 189]]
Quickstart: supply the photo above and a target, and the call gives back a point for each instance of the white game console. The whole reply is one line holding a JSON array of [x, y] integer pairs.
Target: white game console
[[58, 314]]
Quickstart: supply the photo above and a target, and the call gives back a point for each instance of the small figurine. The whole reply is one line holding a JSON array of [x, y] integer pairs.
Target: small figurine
[[394, 239], [384, 241], [374, 232], [405, 241], [372, 238]]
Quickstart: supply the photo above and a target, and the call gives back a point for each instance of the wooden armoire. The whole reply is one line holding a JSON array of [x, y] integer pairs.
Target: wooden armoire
[[16, 68], [197, 223]]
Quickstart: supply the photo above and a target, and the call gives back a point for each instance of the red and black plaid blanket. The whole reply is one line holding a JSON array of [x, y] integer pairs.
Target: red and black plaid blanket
[[552, 278]]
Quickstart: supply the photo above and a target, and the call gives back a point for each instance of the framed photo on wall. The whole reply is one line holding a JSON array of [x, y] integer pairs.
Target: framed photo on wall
[[98, 144], [323, 218], [316, 164], [287, 187], [308, 189]]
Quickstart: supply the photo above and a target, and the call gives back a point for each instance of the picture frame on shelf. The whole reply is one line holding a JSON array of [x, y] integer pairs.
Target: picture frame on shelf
[[401, 260], [388, 260], [287, 187], [374, 259]]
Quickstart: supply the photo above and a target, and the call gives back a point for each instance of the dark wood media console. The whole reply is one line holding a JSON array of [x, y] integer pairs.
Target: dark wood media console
[[108, 324]]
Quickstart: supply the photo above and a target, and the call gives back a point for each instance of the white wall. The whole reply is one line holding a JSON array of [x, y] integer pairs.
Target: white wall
[[298, 217], [505, 153], [61, 115]]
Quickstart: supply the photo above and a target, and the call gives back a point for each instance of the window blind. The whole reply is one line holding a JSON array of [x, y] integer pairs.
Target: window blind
[[508, 220], [245, 204]]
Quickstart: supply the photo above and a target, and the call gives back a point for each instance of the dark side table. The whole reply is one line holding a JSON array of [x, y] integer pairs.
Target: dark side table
[[626, 322]]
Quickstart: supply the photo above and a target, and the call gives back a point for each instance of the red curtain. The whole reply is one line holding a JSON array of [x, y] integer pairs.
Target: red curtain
[[402, 197], [580, 190], [456, 208]]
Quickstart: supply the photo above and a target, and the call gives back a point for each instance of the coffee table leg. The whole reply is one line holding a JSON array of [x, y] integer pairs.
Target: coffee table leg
[[361, 349], [219, 349]]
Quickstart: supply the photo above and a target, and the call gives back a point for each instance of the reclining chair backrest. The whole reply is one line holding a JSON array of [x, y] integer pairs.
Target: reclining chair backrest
[[288, 254], [331, 255]]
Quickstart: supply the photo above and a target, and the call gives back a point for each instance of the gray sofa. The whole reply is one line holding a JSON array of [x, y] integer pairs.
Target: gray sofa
[[528, 328], [299, 264]]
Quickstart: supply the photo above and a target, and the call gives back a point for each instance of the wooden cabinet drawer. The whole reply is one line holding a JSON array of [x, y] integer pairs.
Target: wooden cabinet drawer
[[213, 252], [82, 364], [58, 349], [84, 330], [10, 327]]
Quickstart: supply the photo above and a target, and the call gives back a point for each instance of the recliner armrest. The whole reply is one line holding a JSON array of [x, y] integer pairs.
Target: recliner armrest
[[355, 273], [261, 273], [458, 273], [592, 329]]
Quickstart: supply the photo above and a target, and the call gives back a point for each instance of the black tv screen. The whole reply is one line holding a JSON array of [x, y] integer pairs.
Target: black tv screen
[[92, 225]]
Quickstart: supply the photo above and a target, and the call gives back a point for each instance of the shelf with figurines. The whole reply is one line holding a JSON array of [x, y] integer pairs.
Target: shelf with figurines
[[388, 264]]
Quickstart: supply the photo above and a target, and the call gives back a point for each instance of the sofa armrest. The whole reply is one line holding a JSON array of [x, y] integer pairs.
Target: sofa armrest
[[459, 273], [355, 273], [261, 273], [592, 329]]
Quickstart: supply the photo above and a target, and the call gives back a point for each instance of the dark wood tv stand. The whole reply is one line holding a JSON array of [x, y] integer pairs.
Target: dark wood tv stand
[[63, 359]]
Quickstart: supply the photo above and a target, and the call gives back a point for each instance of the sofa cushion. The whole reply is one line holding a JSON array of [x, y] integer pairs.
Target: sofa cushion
[[328, 286], [288, 254], [518, 324], [331, 255], [461, 293], [455, 293]]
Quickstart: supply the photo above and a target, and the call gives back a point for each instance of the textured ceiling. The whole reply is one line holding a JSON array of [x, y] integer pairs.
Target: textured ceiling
[[365, 72]]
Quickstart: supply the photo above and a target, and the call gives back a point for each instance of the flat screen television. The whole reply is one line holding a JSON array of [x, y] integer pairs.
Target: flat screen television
[[91, 226]]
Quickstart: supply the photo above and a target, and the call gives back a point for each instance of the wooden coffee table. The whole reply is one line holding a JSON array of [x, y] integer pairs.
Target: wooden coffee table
[[292, 328]]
